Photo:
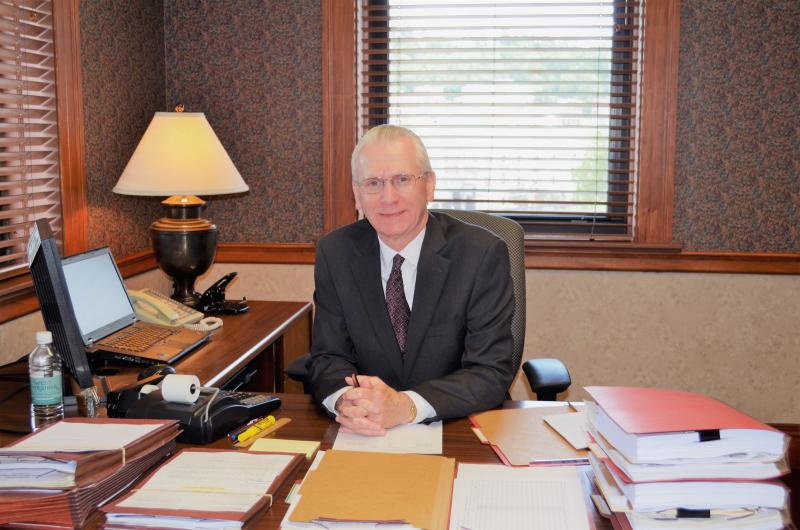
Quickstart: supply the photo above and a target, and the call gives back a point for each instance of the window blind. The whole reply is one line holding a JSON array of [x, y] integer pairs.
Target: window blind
[[528, 109], [29, 170]]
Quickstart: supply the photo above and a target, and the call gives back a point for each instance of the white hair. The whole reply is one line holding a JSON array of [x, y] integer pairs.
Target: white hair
[[383, 133]]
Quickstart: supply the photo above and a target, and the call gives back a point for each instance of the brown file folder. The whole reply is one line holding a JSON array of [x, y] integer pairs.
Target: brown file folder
[[520, 437]]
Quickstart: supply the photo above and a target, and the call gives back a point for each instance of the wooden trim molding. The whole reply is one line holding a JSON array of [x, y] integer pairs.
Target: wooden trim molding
[[656, 182], [69, 95], [291, 253], [338, 111], [653, 259]]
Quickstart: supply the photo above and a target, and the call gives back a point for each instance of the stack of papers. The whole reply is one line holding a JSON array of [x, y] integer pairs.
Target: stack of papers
[[670, 459], [204, 488], [60, 475]]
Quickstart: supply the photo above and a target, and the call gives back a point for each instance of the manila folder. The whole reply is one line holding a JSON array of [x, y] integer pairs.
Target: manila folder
[[378, 487]]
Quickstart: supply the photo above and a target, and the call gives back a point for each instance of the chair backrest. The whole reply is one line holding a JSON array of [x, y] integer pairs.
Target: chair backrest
[[511, 232]]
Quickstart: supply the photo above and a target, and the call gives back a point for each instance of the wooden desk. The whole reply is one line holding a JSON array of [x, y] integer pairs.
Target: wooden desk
[[308, 423], [268, 337], [262, 340]]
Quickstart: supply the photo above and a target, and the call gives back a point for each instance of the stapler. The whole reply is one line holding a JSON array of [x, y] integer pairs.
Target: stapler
[[213, 299]]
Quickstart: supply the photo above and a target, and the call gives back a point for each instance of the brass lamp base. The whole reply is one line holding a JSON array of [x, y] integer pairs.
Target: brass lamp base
[[184, 244]]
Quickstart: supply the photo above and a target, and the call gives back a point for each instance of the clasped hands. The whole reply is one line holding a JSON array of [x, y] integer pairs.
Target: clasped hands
[[372, 407]]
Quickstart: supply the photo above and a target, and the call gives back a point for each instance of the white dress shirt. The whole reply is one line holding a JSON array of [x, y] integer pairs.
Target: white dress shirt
[[408, 269]]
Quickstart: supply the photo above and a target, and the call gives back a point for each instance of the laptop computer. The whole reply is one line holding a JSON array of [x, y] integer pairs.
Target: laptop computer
[[107, 322]]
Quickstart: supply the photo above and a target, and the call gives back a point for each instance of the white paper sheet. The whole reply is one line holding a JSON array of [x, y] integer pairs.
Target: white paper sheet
[[572, 427], [77, 437], [496, 497], [410, 438]]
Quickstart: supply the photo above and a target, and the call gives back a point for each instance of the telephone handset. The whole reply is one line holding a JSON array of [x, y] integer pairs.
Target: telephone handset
[[154, 307]]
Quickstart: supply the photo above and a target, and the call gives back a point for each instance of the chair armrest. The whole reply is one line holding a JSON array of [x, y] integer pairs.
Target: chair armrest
[[298, 368], [547, 377]]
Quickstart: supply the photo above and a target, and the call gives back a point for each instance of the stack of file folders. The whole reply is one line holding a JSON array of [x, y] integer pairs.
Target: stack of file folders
[[58, 476], [204, 488], [670, 459]]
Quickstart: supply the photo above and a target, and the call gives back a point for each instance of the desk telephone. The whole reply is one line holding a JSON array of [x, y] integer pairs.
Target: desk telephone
[[156, 308], [212, 416]]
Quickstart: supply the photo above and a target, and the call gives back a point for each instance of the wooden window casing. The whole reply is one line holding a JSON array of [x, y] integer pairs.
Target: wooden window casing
[[528, 110]]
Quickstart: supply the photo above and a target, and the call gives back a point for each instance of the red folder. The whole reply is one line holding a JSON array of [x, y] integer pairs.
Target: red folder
[[641, 410]]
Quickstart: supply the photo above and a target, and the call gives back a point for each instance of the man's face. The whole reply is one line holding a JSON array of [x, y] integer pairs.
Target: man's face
[[397, 216]]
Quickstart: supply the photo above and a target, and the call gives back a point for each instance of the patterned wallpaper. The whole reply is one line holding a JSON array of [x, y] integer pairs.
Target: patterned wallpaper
[[737, 174], [122, 55], [255, 68]]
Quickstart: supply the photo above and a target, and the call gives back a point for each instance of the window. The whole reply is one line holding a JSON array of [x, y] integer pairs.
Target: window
[[528, 109], [29, 150]]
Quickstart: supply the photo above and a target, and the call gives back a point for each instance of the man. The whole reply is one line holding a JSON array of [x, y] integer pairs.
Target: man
[[417, 304]]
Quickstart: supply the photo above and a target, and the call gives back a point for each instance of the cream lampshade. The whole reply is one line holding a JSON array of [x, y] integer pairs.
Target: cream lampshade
[[180, 156]]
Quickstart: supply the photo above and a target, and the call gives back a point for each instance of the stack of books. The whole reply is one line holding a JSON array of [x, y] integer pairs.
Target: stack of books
[[670, 459], [57, 477]]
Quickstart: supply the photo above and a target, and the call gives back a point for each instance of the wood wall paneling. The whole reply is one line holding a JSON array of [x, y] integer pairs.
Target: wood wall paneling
[[69, 94], [338, 110]]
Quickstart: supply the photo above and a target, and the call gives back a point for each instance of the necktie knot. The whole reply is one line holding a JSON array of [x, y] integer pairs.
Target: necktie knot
[[397, 262]]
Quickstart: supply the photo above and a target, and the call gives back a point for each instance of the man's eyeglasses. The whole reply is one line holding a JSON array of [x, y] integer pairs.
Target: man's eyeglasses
[[401, 182]]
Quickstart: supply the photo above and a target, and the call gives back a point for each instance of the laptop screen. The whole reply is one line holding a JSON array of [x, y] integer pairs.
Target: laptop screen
[[99, 298]]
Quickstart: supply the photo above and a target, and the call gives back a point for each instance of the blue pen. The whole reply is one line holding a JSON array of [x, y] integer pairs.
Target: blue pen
[[239, 430]]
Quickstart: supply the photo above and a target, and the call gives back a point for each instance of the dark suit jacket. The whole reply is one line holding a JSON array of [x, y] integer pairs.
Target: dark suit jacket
[[459, 344]]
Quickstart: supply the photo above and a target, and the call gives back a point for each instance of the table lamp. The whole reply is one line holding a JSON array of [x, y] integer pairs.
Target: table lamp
[[180, 156]]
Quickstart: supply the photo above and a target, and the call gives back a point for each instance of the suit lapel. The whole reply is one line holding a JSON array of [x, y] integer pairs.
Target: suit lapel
[[366, 270], [431, 275]]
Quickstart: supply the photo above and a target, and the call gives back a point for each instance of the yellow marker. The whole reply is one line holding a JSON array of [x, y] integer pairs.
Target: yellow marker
[[255, 428]]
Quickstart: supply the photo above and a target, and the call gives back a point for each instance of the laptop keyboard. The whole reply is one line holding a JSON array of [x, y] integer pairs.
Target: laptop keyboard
[[138, 339]]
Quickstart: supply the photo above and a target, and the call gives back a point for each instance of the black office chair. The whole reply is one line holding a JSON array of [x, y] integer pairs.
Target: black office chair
[[546, 378]]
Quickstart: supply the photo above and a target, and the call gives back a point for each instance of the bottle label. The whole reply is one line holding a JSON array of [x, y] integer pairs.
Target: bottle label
[[46, 390]]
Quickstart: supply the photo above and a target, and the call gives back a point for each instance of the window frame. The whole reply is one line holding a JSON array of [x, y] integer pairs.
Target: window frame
[[653, 228], [538, 219]]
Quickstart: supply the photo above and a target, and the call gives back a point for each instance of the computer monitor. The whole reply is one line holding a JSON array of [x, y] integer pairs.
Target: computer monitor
[[51, 289]]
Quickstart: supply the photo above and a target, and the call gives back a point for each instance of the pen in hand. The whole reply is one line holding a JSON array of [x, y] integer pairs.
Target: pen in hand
[[354, 377]]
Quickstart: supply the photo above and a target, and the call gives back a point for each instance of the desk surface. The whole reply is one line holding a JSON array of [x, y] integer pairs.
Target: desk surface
[[308, 423], [242, 340]]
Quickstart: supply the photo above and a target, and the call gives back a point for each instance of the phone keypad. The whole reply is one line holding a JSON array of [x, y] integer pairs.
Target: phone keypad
[[247, 398]]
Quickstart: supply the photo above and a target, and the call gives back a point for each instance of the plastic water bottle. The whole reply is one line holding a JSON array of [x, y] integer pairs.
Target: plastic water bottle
[[47, 397]]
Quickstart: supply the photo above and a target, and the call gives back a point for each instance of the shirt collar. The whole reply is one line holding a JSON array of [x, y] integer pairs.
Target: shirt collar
[[410, 252]]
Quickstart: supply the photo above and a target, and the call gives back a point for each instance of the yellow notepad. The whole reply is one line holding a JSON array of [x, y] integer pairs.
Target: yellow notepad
[[276, 445]]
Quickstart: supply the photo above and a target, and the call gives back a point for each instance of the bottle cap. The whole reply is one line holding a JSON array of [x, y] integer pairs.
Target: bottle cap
[[44, 337]]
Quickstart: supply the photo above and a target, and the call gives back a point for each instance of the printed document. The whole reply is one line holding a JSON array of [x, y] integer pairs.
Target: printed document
[[410, 438], [497, 497]]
